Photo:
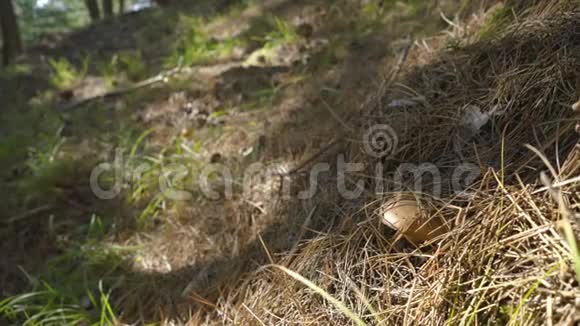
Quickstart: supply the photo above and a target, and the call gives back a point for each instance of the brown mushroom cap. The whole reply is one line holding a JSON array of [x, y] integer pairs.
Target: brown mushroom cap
[[412, 220]]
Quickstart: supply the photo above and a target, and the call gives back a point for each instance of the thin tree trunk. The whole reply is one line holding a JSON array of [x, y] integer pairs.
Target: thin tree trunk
[[108, 8], [10, 32], [121, 7], [93, 8]]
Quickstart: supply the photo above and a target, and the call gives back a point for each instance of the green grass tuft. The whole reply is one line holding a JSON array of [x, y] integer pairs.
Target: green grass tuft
[[64, 74]]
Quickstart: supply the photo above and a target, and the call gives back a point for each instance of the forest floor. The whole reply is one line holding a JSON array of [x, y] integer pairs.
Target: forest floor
[[187, 166]]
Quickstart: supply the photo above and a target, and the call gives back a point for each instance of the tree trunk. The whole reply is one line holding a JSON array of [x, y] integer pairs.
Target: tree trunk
[[108, 8], [10, 32], [93, 8], [121, 7]]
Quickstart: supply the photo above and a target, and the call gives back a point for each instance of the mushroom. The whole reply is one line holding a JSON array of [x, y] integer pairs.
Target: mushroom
[[412, 220]]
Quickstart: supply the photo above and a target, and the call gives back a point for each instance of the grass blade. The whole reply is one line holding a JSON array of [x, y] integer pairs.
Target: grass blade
[[339, 305]]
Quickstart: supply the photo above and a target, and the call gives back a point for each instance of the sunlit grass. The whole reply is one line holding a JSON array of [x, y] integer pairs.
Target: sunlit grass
[[498, 19], [64, 74], [282, 33], [336, 303], [194, 46], [122, 67]]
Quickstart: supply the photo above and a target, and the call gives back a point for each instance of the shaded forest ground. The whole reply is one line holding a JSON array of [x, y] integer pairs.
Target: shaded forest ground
[[275, 82]]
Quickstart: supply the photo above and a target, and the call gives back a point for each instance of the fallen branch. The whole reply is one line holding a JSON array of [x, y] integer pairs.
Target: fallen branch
[[162, 77], [27, 214]]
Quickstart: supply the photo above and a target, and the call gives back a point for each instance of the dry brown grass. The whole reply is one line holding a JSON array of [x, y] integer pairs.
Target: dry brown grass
[[501, 263], [505, 261]]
